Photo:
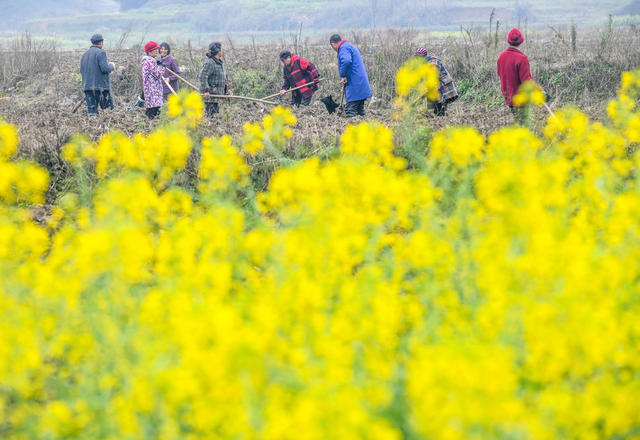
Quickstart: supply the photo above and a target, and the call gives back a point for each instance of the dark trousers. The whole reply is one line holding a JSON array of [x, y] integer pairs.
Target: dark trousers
[[211, 108], [439, 108], [297, 100], [354, 108], [152, 112], [98, 98]]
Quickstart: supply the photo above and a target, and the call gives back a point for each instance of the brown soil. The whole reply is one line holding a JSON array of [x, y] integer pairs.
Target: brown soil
[[41, 106], [45, 125]]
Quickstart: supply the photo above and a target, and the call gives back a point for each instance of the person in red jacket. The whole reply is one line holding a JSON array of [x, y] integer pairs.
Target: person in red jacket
[[513, 67], [296, 72]]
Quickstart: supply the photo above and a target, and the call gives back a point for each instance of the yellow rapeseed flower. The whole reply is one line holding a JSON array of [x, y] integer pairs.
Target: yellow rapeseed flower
[[528, 94], [8, 140], [461, 145], [492, 294]]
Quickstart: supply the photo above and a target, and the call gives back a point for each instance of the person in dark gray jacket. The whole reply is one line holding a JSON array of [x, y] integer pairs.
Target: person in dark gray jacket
[[95, 71]]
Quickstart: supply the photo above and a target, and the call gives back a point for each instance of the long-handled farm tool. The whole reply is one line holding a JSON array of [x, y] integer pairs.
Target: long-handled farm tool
[[244, 98], [166, 81], [77, 106], [553, 115], [181, 78], [295, 88]]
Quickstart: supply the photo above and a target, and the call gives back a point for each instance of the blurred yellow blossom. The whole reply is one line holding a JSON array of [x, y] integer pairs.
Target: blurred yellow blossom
[[462, 145], [186, 108], [492, 294], [8, 140], [528, 94]]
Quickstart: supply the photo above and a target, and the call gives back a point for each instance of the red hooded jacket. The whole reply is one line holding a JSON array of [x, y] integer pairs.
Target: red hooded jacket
[[298, 73], [513, 70]]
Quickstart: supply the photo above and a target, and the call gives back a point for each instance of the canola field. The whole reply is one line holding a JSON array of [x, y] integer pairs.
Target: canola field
[[492, 295]]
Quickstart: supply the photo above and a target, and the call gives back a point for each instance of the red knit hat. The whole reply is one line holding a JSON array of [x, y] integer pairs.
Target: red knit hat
[[151, 45], [515, 37]]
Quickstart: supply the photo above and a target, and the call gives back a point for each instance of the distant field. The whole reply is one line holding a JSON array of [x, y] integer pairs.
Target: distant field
[[277, 19]]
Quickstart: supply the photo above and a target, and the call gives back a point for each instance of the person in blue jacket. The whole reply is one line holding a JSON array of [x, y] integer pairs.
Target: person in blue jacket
[[353, 74]]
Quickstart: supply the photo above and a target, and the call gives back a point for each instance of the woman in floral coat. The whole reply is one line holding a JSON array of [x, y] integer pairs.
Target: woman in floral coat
[[152, 71]]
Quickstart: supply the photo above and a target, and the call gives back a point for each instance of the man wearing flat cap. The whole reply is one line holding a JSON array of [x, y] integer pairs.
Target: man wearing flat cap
[[213, 79], [297, 72], [95, 71]]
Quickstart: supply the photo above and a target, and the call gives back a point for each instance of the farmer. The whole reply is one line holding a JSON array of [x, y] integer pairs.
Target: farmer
[[447, 89], [171, 64], [513, 70], [296, 72], [152, 71], [213, 79], [95, 71], [353, 76]]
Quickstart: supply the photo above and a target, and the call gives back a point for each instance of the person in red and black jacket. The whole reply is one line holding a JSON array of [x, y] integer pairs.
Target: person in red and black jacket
[[298, 71]]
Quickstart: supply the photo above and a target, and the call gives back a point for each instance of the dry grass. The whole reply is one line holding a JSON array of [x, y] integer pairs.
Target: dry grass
[[25, 57], [40, 84]]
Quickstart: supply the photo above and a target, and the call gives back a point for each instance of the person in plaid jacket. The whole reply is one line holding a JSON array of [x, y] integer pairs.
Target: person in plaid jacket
[[296, 72], [447, 89], [213, 79]]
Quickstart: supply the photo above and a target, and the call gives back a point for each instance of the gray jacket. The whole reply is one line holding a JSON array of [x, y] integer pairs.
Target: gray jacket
[[95, 70]]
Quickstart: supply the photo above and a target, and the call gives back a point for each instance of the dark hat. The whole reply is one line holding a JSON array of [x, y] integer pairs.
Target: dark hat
[[515, 37], [214, 48], [285, 54], [96, 38]]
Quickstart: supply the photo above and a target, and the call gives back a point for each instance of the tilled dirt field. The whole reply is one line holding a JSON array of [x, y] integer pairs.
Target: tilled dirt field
[[41, 106], [46, 124]]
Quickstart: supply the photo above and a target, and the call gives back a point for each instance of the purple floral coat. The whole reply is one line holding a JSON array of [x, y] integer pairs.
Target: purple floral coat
[[152, 81]]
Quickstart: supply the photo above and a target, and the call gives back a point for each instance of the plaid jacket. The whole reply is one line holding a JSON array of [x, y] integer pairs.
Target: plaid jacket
[[213, 78], [447, 89], [298, 73]]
